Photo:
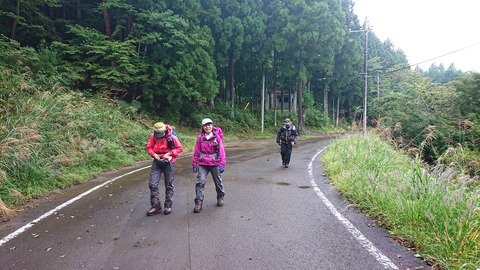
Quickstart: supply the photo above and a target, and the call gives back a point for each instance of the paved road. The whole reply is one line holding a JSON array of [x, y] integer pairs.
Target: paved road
[[273, 218]]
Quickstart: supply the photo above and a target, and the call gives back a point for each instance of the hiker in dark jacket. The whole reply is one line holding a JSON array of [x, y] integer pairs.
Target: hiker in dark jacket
[[286, 138]]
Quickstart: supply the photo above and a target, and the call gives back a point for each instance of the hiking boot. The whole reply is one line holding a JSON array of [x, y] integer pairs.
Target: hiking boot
[[167, 211], [153, 211], [198, 208], [220, 202]]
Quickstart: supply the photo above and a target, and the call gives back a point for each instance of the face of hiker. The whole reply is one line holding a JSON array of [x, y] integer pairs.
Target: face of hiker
[[208, 127]]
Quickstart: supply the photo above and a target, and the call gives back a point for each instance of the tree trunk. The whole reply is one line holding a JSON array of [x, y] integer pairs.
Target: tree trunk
[[223, 87], [79, 10], [290, 98], [338, 111], [232, 84], [275, 89], [262, 105], [106, 19], [294, 101], [299, 99], [325, 100], [333, 110], [282, 92], [15, 22], [129, 26]]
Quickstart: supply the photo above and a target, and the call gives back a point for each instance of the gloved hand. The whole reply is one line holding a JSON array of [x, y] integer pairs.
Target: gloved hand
[[221, 169], [195, 169]]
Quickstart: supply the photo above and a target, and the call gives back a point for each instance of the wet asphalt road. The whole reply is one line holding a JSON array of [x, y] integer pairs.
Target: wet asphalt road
[[273, 218]]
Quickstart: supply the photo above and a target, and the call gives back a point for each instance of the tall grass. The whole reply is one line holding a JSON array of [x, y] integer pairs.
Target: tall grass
[[435, 210], [51, 139]]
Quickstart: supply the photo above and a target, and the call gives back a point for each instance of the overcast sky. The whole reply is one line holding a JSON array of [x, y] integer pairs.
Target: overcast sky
[[427, 29]]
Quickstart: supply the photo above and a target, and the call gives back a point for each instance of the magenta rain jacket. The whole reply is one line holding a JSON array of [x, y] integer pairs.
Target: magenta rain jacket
[[205, 154]]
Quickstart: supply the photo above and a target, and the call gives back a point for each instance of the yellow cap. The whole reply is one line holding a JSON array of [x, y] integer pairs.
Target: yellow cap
[[159, 127]]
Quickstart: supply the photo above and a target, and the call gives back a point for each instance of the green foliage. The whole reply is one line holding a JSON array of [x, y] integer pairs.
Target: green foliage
[[244, 121], [13, 56], [308, 100], [59, 136], [427, 116], [101, 63], [461, 159], [435, 210], [317, 120], [27, 21], [191, 77], [180, 66], [468, 88], [439, 74]]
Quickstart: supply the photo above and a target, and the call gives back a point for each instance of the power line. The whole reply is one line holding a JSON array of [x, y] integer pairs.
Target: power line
[[449, 53], [440, 56]]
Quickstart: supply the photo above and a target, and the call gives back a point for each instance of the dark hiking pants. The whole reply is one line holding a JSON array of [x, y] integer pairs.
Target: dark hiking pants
[[159, 167], [286, 152]]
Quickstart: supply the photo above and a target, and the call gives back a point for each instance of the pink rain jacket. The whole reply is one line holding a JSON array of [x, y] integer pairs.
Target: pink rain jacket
[[205, 153]]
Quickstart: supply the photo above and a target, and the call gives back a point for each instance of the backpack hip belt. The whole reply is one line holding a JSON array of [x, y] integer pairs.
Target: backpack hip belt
[[214, 156]]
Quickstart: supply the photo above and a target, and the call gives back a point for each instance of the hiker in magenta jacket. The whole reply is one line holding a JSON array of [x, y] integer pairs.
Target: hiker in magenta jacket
[[209, 157]]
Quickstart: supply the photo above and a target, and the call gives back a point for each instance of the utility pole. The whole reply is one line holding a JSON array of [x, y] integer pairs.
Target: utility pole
[[263, 100], [365, 74]]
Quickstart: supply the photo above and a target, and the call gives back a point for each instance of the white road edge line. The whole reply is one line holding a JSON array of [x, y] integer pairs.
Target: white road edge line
[[49, 213], [374, 251]]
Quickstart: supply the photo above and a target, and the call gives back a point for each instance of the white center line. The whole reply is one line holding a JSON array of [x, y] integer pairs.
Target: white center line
[[49, 213]]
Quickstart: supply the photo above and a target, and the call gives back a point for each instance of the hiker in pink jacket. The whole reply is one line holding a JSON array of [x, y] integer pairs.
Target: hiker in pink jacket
[[209, 157]]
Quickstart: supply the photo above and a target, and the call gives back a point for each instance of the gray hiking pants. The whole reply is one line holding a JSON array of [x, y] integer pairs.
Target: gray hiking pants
[[202, 179], [159, 167]]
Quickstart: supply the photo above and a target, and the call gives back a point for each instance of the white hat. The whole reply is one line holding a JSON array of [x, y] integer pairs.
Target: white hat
[[206, 121]]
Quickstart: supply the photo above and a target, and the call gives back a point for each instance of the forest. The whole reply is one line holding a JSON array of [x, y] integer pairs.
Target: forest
[[303, 58], [166, 54]]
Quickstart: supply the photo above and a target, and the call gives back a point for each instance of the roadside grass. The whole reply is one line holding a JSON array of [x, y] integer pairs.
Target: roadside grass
[[55, 138], [434, 210]]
